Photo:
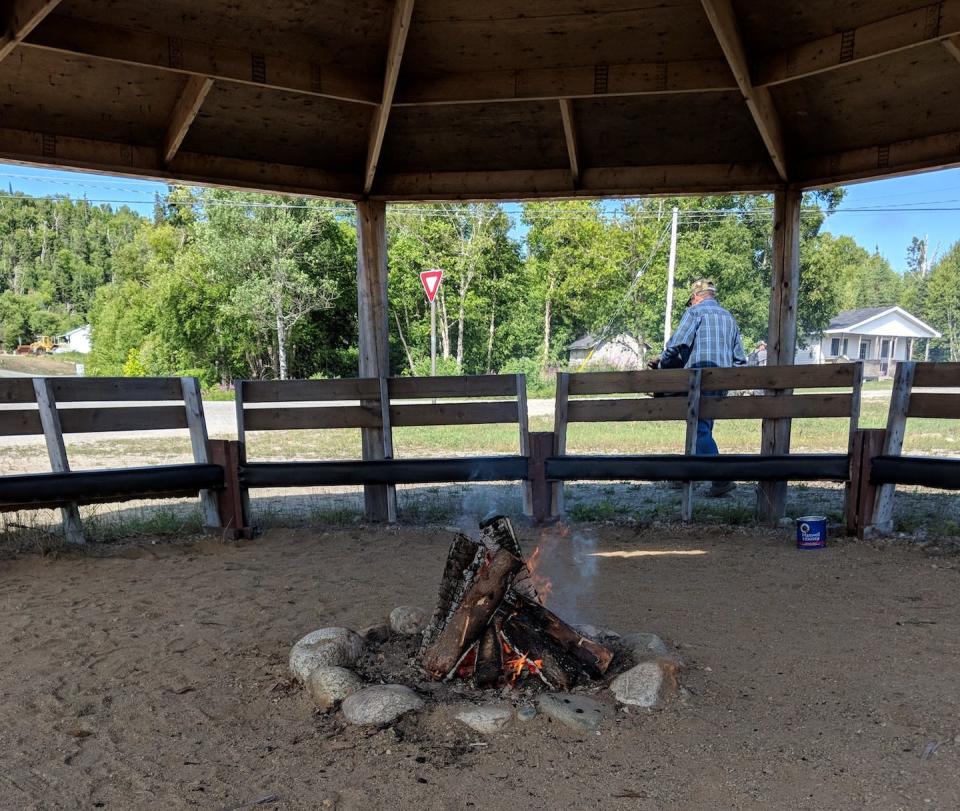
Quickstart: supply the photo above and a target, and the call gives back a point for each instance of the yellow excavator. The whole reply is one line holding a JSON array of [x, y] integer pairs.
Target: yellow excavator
[[41, 346]]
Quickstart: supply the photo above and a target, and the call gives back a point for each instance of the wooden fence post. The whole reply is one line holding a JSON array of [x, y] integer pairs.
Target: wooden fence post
[[541, 447], [560, 434], [234, 522], [387, 426], [882, 521], [197, 425], [693, 418], [523, 421], [861, 494], [57, 451]]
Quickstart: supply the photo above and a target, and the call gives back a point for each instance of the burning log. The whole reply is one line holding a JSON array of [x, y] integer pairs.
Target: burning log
[[591, 656], [463, 561], [489, 667], [467, 622]]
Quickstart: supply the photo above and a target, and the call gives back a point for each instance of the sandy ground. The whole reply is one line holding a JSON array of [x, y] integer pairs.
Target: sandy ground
[[154, 676]]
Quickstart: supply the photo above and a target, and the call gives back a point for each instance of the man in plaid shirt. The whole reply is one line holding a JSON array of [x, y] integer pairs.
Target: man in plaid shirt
[[708, 336]]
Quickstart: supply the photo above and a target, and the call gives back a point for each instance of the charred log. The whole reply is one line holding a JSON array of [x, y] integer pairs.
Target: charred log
[[489, 668], [464, 559], [469, 619]]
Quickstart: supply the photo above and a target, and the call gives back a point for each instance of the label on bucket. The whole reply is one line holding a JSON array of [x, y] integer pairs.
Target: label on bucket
[[811, 532]]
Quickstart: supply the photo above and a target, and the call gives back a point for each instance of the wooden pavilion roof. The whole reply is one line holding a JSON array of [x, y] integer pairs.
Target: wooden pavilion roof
[[426, 99]]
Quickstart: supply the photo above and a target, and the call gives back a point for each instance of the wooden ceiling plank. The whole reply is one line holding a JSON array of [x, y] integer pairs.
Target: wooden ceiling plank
[[44, 149], [939, 151], [126, 46], [399, 28], [24, 16], [582, 81], [184, 112], [938, 21], [952, 44], [759, 101], [570, 136]]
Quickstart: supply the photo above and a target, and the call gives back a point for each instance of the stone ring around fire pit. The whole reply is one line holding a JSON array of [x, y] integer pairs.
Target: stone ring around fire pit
[[491, 636]]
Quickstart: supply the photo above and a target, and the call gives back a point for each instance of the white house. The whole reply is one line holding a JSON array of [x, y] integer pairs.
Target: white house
[[879, 336], [76, 340], [618, 352]]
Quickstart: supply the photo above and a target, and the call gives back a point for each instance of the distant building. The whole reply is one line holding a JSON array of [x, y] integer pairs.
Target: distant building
[[76, 340], [618, 352], [879, 336]]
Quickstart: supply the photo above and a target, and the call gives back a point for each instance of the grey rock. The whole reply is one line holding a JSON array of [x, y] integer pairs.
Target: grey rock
[[326, 647], [643, 646], [645, 685], [526, 713], [786, 522], [328, 686], [576, 712], [380, 704], [408, 619], [487, 719]]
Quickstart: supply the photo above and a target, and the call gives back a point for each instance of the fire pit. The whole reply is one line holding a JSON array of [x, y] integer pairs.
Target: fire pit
[[491, 635]]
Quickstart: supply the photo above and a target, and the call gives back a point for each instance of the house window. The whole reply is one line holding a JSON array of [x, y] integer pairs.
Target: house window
[[864, 350], [834, 347], [846, 344]]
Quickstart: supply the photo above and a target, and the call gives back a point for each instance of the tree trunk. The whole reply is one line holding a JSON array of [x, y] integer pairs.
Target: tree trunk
[[492, 331], [281, 347], [403, 341], [547, 317]]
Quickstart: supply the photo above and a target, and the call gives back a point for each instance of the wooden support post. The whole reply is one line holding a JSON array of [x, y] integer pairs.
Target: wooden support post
[[197, 425], [560, 434], [374, 346], [882, 522], [541, 447], [233, 520], [854, 433], [782, 338], [57, 451], [524, 426], [861, 494], [388, 445], [693, 417]]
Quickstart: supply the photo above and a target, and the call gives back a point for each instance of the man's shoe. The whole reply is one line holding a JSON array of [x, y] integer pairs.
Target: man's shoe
[[720, 489]]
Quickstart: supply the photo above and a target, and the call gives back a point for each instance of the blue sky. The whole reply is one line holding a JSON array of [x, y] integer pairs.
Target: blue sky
[[882, 214]]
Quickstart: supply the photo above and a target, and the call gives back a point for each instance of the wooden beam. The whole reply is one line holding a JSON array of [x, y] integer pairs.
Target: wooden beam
[[919, 27], [399, 28], [132, 47], [759, 101], [570, 136], [374, 326], [782, 337], [582, 81], [952, 45], [184, 112], [46, 149], [23, 17], [884, 160], [612, 181]]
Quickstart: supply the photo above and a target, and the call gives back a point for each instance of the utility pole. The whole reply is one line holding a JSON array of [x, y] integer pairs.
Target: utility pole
[[668, 316]]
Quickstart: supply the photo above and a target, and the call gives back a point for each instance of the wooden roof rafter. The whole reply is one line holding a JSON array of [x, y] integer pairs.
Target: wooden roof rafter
[[24, 16], [723, 20], [188, 105], [570, 136], [912, 29], [399, 28], [952, 44]]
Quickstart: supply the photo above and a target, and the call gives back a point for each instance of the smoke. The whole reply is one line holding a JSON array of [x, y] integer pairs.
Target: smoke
[[564, 571]]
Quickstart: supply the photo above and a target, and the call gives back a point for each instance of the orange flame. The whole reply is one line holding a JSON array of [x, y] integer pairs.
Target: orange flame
[[541, 583]]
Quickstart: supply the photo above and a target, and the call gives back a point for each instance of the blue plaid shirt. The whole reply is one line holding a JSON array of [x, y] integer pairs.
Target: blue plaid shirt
[[712, 336]]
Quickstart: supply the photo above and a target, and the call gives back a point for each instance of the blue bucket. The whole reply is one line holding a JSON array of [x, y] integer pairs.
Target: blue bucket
[[811, 532]]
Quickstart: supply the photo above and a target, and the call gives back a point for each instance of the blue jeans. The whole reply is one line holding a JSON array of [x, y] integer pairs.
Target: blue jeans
[[706, 446]]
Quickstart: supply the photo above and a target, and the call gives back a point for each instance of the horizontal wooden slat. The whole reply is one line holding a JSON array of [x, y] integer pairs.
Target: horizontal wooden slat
[[93, 389], [778, 377], [99, 420], [628, 410], [937, 374], [20, 422], [667, 380], [17, 390], [453, 413], [466, 386], [300, 391], [291, 419], [940, 406], [788, 406]]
